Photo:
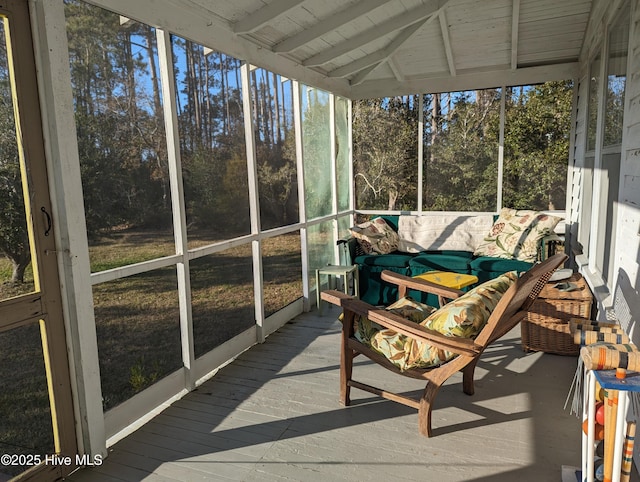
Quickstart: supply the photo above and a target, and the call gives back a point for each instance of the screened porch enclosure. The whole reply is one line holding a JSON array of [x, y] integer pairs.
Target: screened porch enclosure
[[204, 157], [213, 190]]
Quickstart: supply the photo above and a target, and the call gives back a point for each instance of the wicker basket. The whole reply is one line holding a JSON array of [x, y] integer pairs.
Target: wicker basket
[[547, 325]]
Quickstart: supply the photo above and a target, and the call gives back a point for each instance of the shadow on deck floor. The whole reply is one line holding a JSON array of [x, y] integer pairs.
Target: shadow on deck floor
[[273, 414]]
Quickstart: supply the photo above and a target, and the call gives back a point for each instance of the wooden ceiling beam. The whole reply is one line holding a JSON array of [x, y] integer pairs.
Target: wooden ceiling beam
[[446, 38], [399, 22], [380, 55], [468, 79], [515, 24], [328, 24], [266, 14], [363, 74], [395, 68], [192, 21]]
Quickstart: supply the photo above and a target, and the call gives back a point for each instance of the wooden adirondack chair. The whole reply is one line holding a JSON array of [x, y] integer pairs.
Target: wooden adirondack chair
[[509, 311]]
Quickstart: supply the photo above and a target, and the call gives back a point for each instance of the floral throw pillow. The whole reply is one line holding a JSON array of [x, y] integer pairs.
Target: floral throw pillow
[[406, 307], [515, 234], [376, 237], [463, 317]]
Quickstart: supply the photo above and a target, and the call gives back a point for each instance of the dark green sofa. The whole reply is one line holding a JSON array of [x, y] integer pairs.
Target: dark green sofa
[[377, 292]]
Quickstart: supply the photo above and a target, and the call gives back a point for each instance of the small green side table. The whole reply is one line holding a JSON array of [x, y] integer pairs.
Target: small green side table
[[337, 271]]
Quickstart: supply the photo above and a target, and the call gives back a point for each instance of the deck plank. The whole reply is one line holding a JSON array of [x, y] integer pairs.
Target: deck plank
[[274, 415]]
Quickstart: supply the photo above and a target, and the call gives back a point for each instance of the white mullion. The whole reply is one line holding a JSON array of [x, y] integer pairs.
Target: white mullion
[[571, 167], [420, 149], [254, 202], [165, 59], [503, 107], [134, 269], [65, 183], [304, 242], [597, 162], [334, 173], [352, 201]]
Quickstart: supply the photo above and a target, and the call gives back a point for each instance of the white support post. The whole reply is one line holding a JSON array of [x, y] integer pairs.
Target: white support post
[[167, 81], [503, 107], [571, 168], [420, 150], [334, 174], [65, 183], [588, 440], [304, 247], [352, 196], [254, 202]]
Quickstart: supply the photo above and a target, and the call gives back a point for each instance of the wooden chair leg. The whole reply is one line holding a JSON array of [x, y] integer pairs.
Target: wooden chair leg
[[467, 377], [346, 369], [426, 405]]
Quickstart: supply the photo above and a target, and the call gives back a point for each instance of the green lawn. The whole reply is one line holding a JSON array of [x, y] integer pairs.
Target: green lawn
[[137, 323]]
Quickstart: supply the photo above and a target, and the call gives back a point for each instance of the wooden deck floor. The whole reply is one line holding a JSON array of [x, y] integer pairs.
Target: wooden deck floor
[[273, 415]]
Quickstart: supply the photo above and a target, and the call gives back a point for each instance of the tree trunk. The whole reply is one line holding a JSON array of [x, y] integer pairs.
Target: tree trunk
[[159, 141], [19, 265], [393, 197], [256, 112], [435, 117], [277, 138], [195, 94], [130, 81], [157, 105], [225, 95]]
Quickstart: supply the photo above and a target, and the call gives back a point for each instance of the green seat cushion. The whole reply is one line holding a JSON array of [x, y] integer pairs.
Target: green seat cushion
[[392, 260], [373, 289], [455, 261], [487, 267]]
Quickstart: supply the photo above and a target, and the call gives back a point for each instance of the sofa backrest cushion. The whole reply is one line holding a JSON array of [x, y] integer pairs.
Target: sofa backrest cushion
[[516, 234], [439, 232], [376, 236]]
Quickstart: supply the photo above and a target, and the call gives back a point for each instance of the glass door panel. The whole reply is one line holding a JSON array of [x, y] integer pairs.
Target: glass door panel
[[26, 430], [36, 411], [16, 273]]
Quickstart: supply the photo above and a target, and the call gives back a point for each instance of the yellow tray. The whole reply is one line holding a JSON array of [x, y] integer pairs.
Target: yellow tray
[[450, 280]]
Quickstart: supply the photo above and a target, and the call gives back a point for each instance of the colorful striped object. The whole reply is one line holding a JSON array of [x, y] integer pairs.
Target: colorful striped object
[[627, 452], [606, 356]]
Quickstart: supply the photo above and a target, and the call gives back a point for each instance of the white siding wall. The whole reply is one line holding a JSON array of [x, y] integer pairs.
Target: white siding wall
[[580, 184], [627, 254], [607, 289], [619, 296]]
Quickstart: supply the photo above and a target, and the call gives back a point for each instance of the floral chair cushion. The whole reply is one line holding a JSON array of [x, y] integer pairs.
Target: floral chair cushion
[[463, 317], [406, 307], [515, 235], [376, 237]]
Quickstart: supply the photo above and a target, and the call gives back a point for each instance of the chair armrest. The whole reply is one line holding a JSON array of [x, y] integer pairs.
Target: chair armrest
[[461, 346], [406, 282]]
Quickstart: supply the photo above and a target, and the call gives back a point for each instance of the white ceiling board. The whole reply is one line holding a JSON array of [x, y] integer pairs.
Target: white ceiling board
[[465, 81], [267, 14], [369, 33], [230, 11], [213, 32], [482, 35], [324, 23], [424, 53], [529, 30], [533, 10]]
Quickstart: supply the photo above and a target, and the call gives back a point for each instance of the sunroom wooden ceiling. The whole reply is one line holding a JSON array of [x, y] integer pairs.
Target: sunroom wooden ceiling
[[373, 48]]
